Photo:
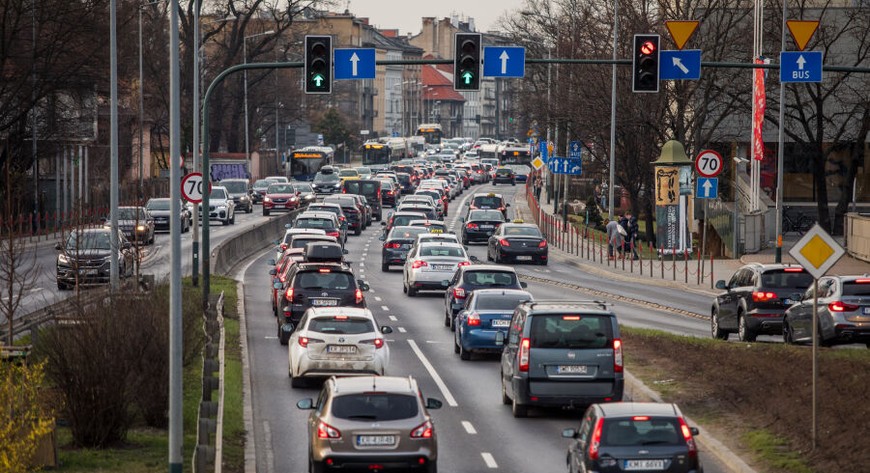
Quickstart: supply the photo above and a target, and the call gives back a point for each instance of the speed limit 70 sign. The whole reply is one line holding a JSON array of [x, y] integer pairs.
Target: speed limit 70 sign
[[708, 163], [191, 187]]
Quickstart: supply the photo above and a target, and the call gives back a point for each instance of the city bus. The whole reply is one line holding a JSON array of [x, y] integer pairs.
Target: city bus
[[306, 162], [379, 154], [514, 154], [431, 132]]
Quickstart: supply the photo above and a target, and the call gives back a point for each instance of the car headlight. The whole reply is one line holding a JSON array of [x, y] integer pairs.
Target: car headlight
[[266, 199], [222, 207], [62, 258], [140, 228], [244, 198], [309, 197]]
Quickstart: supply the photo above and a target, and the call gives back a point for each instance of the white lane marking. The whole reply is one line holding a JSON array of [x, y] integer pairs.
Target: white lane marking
[[451, 401], [385, 308], [489, 460], [393, 318], [377, 298], [270, 337], [469, 428], [434, 342], [402, 330]]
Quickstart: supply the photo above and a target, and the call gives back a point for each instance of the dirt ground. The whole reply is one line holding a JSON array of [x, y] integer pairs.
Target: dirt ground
[[735, 388]]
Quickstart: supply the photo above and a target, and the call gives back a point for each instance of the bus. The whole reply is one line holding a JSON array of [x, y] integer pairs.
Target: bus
[[380, 153], [514, 154], [431, 132], [306, 162]]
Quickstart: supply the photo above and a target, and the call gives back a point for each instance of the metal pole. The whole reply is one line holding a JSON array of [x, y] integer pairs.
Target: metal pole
[[549, 75], [610, 192], [565, 179], [33, 124], [176, 439], [113, 145], [247, 145], [815, 357], [194, 257], [779, 151], [141, 104]]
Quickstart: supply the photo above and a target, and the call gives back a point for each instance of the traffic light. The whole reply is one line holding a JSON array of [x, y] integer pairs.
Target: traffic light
[[318, 64], [645, 63], [466, 61]]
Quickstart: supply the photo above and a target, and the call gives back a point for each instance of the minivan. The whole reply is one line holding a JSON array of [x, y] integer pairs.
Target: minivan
[[368, 188]]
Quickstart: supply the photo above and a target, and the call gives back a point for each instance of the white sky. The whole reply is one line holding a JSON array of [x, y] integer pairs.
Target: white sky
[[406, 14]]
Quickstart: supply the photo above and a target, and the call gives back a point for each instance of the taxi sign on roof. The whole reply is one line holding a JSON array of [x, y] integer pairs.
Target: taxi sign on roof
[[817, 251]]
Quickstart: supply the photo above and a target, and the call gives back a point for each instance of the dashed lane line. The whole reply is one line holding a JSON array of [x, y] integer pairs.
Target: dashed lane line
[[489, 460], [385, 308], [402, 330], [469, 428]]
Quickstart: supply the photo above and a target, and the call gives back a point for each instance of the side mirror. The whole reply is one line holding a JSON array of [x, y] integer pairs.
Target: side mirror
[[288, 225], [499, 338], [272, 272], [58, 246], [277, 285], [382, 238], [523, 285], [306, 404], [383, 224], [507, 205], [432, 403], [797, 297], [363, 286], [567, 433], [344, 251], [694, 431], [386, 330], [721, 284], [474, 259]]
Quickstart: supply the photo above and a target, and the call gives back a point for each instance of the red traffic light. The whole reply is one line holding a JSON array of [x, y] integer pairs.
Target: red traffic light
[[648, 47]]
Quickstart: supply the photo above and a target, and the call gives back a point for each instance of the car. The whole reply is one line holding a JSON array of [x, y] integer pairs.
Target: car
[[430, 266], [317, 285], [427, 237], [371, 189], [521, 172], [754, 300], [348, 174], [488, 200], [485, 319], [633, 436], [397, 244], [407, 182], [504, 175], [240, 191], [277, 179], [843, 312], [561, 354], [305, 192], [326, 181], [364, 172], [371, 423], [258, 190], [280, 196], [301, 240], [428, 212], [396, 219], [331, 207], [221, 206], [427, 197], [84, 257], [136, 224], [390, 193], [328, 222], [354, 214], [471, 278], [342, 341], [517, 242], [279, 272], [479, 225], [160, 209], [433, 226], [367, 209], [284, 243]]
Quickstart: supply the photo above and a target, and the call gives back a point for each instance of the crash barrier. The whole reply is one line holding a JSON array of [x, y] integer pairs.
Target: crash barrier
[[210, 413], [585, 243], [53, 225], [243, 245]]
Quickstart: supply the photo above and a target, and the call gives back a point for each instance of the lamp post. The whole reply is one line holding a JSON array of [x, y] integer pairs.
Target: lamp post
[[245, 54], [141, 98]]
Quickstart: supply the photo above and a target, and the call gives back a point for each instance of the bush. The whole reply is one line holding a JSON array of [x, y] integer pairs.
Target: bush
[[24, 416]]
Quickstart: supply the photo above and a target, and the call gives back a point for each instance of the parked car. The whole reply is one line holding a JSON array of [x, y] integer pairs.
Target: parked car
[[516, 242], [471, 278], [240, 191], [633, 436], [397, 244], [485, 319], [221, 206], [479, 225], [280, 196], [85, 257], [160, 211], [359, 422], [561, 354], [341, 341], [843, 313], [430, 266], [755, 298]]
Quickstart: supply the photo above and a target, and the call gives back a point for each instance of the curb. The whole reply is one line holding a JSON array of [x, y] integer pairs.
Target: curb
[[247, 390]]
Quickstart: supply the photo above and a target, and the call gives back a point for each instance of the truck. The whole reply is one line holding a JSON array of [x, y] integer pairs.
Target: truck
[[228, 168]]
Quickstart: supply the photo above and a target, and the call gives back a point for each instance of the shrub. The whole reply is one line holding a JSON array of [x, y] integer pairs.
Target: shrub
[[24, 417]]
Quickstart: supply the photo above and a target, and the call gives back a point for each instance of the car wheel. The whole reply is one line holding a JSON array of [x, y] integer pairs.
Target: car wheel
[[513, 183], [787, 335], [298, 382], [447, 316], [282, 338], [542, 262], [357, 231], [233, 219], [456, 348], [743, 332], [717, 331], [226, 221], [251, 208], [265, 212], [432, 467], [494, 183], [453, 323], [464, 241], [519, 410], [63, 286], [385, 267], [504, 397], [488, 256], [411, 291], [464, 354]]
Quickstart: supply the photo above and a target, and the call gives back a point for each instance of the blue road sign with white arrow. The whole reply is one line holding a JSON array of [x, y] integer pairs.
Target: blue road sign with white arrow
[[800, 66], [504, 61], [680, 65], [571, 166], [542, 146], [575, 150], [708, 188], [354, 63]]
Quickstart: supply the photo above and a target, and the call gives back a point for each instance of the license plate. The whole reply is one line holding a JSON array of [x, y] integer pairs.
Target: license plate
[[324, 302], [486, 227], [89, 272], [343, 349], [867, 311], [571, 369], [375, 440], [501, 323], [787, 301], [524, 258], [442, 267], [644, 465]]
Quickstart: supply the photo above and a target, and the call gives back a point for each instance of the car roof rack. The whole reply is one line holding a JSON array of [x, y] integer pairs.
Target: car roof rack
[[603, 304]]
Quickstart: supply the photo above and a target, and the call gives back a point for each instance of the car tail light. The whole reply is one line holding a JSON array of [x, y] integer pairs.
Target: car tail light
[[417, 264], [761, 296], [283, 246], [472, 226], [862, 281], [596, 439], [377, 342], [326, 431], [617, 355], [392, 245], [358, 296], [389, 192], [840, 306], [472, 207], [542, 244], [474, 319], [503, 242], [288, 294], [794, 270], [423, 431], [333, 233], [640, 418], [458, 293], [525, 345], [304, 341], [464, 263], [687, 436]]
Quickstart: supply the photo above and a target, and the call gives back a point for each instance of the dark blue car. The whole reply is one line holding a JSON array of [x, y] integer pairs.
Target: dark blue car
[[487, 314]]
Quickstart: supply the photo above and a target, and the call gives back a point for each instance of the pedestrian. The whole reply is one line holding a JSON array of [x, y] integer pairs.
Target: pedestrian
[[615, 239], [629, 223], [539, 184]]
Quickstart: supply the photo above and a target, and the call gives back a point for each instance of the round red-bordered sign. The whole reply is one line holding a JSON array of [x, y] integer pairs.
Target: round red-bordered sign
[[191, 187], [709, 163]]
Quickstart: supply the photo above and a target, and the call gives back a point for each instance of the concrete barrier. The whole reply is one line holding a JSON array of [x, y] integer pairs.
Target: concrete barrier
[[233, 250]]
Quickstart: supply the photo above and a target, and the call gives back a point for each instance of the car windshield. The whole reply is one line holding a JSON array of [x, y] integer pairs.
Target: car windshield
[[235, 187], [406, 233], [326, 177], [348, 173], [313, 222], [89, 241], [522, 231], [491, 278], [131, 213], [280, 189], [303, 187], [641, 430], [501, 302], [486, 215], [324, 280], [341, 325], [262, 183], [158, 204], [856, 289], [442, 251], [491, 202], [783, 279], [504, 171], [375, 407], [218, 194], [570, 331]]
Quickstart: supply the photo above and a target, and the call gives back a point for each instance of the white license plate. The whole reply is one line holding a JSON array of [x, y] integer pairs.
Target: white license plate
[[343, 349], [486, 227], [524, 258], [867, 311], [442, 267], [571, 369], [375, 440], [89, 272], [324, 302], [501, 323], [644, 465]]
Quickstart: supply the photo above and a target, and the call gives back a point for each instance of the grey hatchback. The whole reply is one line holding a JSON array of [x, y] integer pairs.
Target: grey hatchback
[[561, 354], [843, 313]]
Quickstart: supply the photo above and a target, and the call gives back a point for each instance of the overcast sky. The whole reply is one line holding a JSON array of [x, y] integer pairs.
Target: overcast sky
[[406, 14]]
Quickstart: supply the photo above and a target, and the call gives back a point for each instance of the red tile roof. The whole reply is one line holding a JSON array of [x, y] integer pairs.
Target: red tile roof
[[438, 87]]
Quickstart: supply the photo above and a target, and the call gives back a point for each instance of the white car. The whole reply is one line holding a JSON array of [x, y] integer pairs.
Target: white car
[[435, 237], [284, 242], [344, 341], [221, 206], [430, 266]]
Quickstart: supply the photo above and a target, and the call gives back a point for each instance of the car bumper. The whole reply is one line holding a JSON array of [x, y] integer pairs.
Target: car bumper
[[478, 235], [430, 279], [387, 461], [852, 332], [499, 180], [480, 340], [520, 254], [218, 215], [572, 394], [99, 275], [394, 257], [283, 206], [765, 323], [326, 368]]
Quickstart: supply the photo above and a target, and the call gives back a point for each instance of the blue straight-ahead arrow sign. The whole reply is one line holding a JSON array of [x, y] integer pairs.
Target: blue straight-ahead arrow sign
[[575, 150], [504, 61], [680, 65], [707, 188], [800, 66], [354, 63]]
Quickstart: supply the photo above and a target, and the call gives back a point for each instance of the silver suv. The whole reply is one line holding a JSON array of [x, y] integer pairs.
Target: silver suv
[[371, 423]]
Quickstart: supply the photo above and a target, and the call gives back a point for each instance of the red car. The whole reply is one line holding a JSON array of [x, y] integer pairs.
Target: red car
[[279, 273], [280, 196]]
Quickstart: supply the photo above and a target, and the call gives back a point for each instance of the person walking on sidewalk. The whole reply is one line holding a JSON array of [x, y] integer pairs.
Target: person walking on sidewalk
[[629, 224], [614, 238], [539, 184]]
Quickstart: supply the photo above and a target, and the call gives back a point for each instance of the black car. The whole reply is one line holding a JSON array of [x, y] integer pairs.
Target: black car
[[471, 278], [407, 182], [755, 300], [85, 257], [504, 176], [633, 436], [517, 242], [326, 181], [479, 225], [371, 189], [159, 209], [389, 193], [317, 285], [397, 243], [355, 215]]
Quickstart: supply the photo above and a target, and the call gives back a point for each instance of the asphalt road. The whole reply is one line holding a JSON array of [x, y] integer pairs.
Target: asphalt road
[[476, 433]]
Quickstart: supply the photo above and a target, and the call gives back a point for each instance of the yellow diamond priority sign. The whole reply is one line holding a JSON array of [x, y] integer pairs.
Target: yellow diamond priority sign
[[537, 163], [817, 251]]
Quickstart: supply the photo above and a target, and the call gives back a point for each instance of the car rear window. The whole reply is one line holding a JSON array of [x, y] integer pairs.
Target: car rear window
[[486, 215], [441, 251], [500, 302], [375, 407], [856, 289], [570, 331], [313, 223], [362, 187], [522, 231], [301, 242], [782, 279], [641, 430], [341, 325], [504, 171], [490, 278], [493, 202], [323, 280]]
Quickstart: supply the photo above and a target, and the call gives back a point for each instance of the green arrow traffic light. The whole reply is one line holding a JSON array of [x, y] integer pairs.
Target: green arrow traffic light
[[467, 77], [318, 64], [466, 61], [318, 79]]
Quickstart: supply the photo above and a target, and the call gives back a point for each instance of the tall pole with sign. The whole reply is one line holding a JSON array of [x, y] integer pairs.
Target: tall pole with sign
[[708, 165]]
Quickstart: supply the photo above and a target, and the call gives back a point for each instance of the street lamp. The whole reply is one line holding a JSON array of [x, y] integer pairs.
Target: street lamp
[[245, 54], [141, 99]]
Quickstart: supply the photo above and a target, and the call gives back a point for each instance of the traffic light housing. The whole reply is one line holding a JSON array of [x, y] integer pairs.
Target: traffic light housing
[[645, 63], [318, 64], [466, 61]]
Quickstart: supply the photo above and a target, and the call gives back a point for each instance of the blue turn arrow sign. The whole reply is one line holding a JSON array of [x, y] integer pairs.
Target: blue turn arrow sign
[[680, 65], [354, 63], [504, 61]]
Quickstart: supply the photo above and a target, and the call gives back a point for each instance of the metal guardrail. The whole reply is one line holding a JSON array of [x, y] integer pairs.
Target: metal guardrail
[[61, 309]]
